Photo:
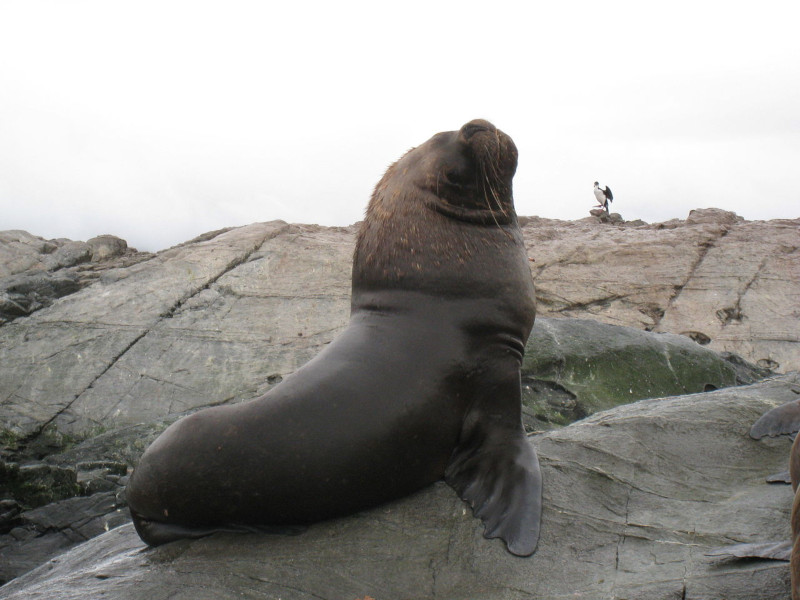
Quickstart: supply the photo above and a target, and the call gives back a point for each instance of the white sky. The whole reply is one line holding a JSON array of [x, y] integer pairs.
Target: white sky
[[158, 121]]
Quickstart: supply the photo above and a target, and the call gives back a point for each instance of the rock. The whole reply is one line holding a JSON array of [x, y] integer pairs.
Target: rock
[[36, 484], [98, 373], [634, 498], [113, 448], [732, 283], [194, 326], [21, 251], [100, 476], [573, 368], [25, 293], [714, 216], [73, 513], [48, 516], [98, 471], [68, 255], [104, 247], [46, 532], [9, 509], [576, 367], [604, 217], [742, 292], [219, 319], [35, 272]]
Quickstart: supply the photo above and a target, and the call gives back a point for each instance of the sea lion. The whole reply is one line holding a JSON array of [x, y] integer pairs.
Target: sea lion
[[423, 384], [782, 420], [778, 421]]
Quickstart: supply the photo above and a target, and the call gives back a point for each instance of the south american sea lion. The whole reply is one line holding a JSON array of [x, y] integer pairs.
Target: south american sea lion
[[423, 384]]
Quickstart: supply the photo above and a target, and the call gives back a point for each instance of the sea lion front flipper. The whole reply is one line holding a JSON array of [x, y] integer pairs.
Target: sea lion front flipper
[[778, 421], [768, 550], [782, 477], [496, 471]]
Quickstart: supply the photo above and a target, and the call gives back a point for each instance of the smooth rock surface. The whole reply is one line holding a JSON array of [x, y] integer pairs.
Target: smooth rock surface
[[576, 367], [634, 497], [57, 365]]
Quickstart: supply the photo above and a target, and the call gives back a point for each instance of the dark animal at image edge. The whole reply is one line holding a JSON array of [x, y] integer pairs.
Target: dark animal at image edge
[[782, 420], [423, 384]]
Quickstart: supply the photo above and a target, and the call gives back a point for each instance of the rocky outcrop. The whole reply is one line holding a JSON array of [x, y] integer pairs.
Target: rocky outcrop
[[634, 499], [90, 348], [89, 380], [56, 499], [230, 314], [576, 367], [35, 272], [725, 282]]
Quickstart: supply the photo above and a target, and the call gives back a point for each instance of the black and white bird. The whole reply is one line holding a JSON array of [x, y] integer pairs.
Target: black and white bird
[[603, 195]]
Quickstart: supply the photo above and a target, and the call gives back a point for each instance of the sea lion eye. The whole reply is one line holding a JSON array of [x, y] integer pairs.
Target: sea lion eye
[[459, 174], [457, 177]]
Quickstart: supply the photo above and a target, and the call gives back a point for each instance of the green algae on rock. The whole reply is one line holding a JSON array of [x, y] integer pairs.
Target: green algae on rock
[[576, 367]]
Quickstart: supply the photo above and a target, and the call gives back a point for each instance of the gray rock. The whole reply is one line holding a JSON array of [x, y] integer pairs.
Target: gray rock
[[49, 531], [21, 251], [592, 365], [100, 476], [93, 342], [576, 367], [734, 282], [604, 217], [634, 498], [24, 293], [104, 247], [68, 255], [221, 319], [35, 272], [713, 216], [36, 484], [113, 448]]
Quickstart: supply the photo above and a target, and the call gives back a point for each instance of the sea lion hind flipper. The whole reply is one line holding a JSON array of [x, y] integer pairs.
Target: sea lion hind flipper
[[156, 533], [498, 476]]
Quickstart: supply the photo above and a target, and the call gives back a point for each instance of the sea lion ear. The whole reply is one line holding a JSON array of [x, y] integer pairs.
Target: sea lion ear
[[496, 471]]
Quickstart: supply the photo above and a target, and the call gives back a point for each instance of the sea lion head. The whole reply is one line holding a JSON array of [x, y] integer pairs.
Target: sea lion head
[[442, 217], [464, 174]]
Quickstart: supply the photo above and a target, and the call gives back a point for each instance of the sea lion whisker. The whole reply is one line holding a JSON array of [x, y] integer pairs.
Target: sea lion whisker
[[484, 180], [495, 195]]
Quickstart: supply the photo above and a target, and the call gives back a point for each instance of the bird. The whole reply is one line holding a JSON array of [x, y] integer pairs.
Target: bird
[[603, 195]]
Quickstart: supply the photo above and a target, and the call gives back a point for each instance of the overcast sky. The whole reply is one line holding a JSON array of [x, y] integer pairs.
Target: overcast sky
[[158, 121]]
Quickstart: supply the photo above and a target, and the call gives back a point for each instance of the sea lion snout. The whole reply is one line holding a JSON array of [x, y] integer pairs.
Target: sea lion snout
[[475, 126]]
